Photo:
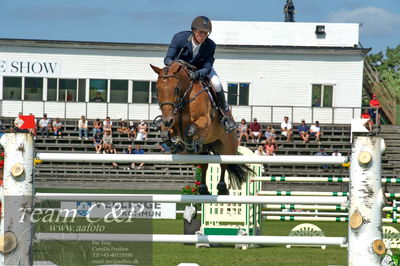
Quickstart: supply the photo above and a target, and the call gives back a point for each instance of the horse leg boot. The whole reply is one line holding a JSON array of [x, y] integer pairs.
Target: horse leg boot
[[221, 186], [227, 121], [203, 189]]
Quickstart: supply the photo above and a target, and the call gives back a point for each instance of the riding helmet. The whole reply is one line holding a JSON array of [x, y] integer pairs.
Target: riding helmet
[[202, 23]]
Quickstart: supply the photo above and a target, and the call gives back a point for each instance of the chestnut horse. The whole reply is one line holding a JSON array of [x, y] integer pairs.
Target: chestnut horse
[[190, 123]]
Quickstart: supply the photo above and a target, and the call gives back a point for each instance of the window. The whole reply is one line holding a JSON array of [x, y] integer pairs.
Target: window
[[98, 90], [33, 89], [82, 90], [238, 93], [67, 90], [154, 98], [140, 91], [52, 89], [12, 88], [322, 95], [119, 91]]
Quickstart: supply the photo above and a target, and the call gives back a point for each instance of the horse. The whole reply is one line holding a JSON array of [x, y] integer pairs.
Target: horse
[[190, 123]]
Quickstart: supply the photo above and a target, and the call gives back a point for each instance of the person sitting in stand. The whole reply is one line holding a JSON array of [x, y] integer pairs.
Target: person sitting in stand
[[44, 125], [57, 128], [132, 130], [138, 150], [304, 131], [97, 142], [97, 127], [83, 127], [369, 123], [322, 153], [259, 151], [255, 130], [141, 131], [130, 150], [269, 148], [196, 48], [112, 150], [164, 148], [107, 141], [269, 133], [374, 111], [243, 131], [123, 127], [107, 124], [315, 131], [286, 129]]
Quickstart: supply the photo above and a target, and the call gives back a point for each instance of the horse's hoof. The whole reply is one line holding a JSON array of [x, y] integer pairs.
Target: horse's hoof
[[222, 189], [203, 190], [178, 148]]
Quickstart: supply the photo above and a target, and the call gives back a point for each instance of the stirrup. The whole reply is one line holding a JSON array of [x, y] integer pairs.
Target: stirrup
[[229, 124]]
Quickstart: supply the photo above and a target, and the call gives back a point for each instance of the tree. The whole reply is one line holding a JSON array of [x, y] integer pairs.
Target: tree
[[388, 66]]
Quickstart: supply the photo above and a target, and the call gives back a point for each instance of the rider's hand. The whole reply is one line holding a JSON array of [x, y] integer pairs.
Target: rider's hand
[[194, 75]]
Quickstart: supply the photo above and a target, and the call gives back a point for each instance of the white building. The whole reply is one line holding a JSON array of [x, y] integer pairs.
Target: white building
[[302, 70]]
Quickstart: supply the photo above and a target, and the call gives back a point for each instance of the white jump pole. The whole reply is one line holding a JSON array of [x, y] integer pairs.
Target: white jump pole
[[17, 192], [168, 198], [190, 159], [210, 239], [366, 202]]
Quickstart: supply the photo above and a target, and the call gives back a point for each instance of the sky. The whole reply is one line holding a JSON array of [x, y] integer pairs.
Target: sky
[[155, 21]]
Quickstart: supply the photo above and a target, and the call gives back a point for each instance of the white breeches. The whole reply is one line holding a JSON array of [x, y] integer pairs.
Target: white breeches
[[216, 82]]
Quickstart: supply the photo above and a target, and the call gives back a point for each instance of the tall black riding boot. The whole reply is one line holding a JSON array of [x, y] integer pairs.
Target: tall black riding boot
[[227, 121]]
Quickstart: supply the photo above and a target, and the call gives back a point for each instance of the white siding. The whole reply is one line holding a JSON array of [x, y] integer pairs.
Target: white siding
[[284, 34]]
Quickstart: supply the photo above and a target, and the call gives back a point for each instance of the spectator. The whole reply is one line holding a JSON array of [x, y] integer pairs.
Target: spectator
[[123, 127], [243, 131], [374, 111], [97, 142], [286, 129], [107, 141], [322, 153], [141, 131], [129, 150], [304, 131], [132, 130], [315, 131], [1, 132], [97, 127], [138, 150], [112, 150], [17, 123], [269, 133], [269, 148], [336, 153], [44, 126], [255, 130], [32, 131], [164, 148], [107, 124], [83, 127], [259, 151], [98, 97], [369, 123], [57, 128]]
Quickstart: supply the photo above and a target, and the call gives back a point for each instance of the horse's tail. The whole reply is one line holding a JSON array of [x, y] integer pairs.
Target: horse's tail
[[238, 174]]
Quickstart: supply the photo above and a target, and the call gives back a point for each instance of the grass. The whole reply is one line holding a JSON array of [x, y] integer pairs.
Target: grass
[[87, 253]]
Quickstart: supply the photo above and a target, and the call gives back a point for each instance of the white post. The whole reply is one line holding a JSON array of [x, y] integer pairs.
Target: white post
[[17, 193], [366, 202]]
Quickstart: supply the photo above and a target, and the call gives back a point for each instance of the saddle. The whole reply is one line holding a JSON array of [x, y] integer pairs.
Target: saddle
[[212, 94]]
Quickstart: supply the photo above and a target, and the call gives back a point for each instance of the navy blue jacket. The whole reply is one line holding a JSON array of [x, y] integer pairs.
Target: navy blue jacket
[[203, 61]]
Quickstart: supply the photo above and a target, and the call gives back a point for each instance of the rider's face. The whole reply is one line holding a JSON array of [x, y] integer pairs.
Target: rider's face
[[200, 36]]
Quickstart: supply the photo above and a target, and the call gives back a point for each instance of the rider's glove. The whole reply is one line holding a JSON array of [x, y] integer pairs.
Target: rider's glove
[[194, 75]]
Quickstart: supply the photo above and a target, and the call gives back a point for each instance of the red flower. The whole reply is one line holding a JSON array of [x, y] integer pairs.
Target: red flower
[[2, 154], [194, 189], [1, 164], [197, 183], [187, 187]]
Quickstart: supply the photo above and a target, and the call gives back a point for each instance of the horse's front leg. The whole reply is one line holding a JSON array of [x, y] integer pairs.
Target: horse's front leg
[[222, 187], [203, 189]]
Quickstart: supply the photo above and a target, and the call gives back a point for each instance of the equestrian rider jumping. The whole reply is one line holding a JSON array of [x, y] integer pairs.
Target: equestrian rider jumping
[[195, 48]]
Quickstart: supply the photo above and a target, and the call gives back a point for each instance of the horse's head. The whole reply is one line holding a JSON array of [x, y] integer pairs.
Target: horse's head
[[171, 84]]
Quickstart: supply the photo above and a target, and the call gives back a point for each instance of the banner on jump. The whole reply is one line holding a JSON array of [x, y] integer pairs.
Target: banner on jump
[[119, 210]]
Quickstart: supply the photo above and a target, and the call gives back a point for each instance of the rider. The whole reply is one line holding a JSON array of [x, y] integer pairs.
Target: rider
[[195, 48]]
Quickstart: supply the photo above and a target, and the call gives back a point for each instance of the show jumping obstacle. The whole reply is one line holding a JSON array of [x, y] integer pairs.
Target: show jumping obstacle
[[365, 224]]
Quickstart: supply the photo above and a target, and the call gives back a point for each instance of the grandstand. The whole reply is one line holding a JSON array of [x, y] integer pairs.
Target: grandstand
[[174, 177]]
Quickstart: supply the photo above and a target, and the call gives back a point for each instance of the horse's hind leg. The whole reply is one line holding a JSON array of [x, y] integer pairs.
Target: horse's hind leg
[[203, 189], [222, 187]]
